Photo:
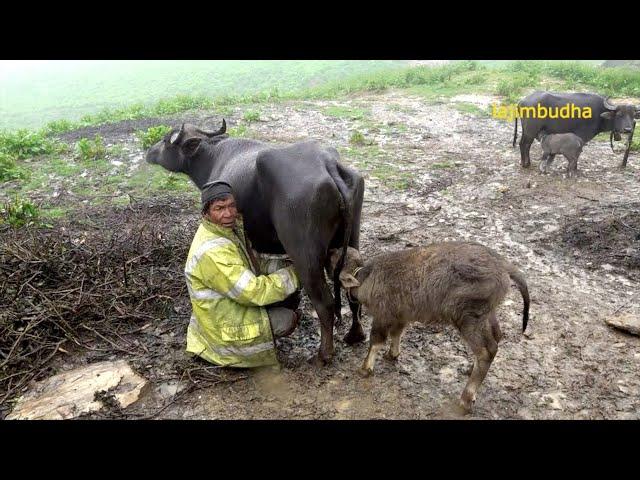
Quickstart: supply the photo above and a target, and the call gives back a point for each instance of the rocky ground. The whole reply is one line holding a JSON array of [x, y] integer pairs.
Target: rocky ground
[[435, 172]]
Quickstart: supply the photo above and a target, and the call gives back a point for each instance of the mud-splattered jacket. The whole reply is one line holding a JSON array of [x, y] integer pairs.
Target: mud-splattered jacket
[[229, 325]]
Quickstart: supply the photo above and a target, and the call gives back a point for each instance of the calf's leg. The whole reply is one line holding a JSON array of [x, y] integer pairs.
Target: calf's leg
[[482, 334], [377, 338], [572, 167], [394, 350]]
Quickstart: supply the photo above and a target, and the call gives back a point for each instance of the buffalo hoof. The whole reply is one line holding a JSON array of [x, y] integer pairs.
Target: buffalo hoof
[[365, 372], [355, 336], [319, 361], [389, 357]]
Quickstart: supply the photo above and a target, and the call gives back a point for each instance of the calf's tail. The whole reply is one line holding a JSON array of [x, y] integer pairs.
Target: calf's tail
[[521, 283]]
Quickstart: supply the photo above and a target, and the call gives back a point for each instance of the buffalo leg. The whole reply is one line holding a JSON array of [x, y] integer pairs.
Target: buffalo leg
[[525, 146], [322, 300], [309, 266], [626, 152], [356, 333]]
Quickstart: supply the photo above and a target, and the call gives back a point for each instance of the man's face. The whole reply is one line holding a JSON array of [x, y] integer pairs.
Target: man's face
[[223, 212]]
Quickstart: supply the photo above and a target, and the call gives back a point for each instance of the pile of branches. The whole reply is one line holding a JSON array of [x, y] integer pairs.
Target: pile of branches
[[91, 281]]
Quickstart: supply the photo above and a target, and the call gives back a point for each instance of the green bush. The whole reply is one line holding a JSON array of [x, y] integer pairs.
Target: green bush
[[152, 135], [170, 182], [251, 116], [19, 212], [607, 81], [24, 143], [9, 170], [239, 131], [59, 126], [91, 149], [511, 88]]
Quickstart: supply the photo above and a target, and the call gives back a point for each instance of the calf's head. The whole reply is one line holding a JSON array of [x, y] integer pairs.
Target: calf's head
[[180, 144], [352, 262]]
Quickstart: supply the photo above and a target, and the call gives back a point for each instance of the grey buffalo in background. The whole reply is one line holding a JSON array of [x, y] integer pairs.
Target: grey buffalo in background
[[605, 117], [295, 199]]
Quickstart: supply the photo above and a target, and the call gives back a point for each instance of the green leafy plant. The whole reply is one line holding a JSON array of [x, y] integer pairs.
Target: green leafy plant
[[19, 212], [91, 149], [25, 144], [9, 170], [152, 135], [357, 138], [251, 116]]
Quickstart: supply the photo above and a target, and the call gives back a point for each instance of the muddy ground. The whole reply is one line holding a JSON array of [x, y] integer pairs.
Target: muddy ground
[[442, 174]]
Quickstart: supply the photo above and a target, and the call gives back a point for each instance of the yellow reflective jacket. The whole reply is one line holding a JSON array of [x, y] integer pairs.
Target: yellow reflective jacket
[[229, 325]]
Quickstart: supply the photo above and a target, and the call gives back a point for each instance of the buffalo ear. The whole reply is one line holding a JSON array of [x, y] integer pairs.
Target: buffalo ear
[[608, 115], [348, 281], [190, 146], [637, 115]]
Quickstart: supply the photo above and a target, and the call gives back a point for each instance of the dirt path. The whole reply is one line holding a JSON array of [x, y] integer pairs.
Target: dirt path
[[435, 173]]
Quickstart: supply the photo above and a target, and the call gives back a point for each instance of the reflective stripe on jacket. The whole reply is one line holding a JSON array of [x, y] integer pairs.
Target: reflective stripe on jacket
[[229, 325]]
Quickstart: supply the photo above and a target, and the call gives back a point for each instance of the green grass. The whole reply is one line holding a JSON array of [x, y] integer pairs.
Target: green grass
[[341, 111], [357, 138], [471, 108], [442, 165], [239, 131], [372, 160], [607, 81], [511, 88]]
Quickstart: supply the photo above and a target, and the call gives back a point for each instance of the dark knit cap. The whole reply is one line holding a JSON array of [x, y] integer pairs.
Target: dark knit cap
[[213, 190]]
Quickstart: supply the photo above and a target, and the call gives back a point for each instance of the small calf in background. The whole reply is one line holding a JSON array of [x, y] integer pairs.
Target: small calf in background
[[567, 144], [457, 283]]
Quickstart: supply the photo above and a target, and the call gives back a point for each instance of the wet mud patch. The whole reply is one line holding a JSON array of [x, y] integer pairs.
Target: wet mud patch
[[606, 237]]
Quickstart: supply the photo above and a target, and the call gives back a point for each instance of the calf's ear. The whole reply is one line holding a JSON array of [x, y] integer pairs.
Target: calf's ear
[[348, 281], [608, 115], [190, 146]]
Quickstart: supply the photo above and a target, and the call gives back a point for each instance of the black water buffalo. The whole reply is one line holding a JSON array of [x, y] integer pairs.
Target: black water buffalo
[[295, 199], [603, 117]]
